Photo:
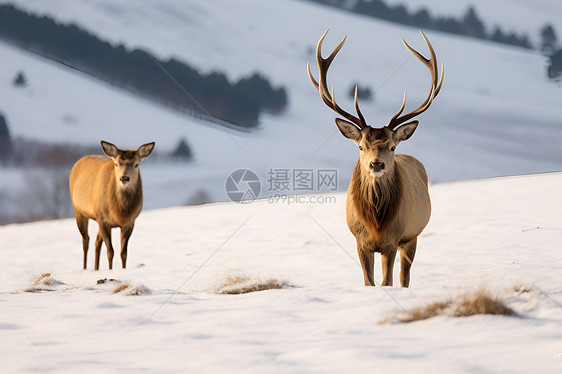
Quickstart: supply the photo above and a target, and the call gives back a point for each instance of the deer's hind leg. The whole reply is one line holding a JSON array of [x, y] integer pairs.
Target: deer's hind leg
[[104, 235], [99, 242], [407, 253], [82, 223]]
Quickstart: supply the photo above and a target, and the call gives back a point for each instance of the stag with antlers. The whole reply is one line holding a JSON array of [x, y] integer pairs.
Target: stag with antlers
[[388, 203]]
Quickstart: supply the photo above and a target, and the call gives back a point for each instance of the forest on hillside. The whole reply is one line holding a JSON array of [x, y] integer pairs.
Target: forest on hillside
[[470, 25], [172, 83]]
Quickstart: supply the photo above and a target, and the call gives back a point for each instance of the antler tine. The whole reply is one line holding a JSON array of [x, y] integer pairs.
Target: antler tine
[[361, 118], [401, 108], [322, 86], [436, 83], [311, 77]]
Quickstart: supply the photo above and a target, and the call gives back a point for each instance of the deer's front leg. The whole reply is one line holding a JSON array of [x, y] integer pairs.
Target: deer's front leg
[[105, 233], [388, 255], [367, 259]]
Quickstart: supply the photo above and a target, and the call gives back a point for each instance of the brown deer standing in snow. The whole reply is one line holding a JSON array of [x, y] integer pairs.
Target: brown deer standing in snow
[[388, 202], [109, 192]]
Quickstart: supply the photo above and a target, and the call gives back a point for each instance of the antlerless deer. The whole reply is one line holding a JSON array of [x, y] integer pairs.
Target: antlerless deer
[[108, 191], [388, 202]]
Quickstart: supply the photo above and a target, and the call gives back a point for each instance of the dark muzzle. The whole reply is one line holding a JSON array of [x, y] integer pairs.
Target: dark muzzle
[[377, 166], [125, 180]]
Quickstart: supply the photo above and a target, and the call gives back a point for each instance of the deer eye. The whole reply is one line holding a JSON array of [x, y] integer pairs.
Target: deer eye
[[392, 148], [360, 148], [115, 163], [136, 165]]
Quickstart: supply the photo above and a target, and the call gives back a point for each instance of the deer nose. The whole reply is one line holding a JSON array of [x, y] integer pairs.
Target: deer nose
[[125, 179], [377, 166]]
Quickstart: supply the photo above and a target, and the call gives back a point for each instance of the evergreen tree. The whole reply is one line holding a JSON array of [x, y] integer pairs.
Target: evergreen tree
[[5, 140], [548, 39], [470, 24], [363, 93], [555, 67], [422, 18], [182, 150], [20, 79], [473, 25], [498, 35]]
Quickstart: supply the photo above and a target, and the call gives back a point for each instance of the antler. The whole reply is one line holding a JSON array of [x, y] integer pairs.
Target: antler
[[323, 65], [436, 83]]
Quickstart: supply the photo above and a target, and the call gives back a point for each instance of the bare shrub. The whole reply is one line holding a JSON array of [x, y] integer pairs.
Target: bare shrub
[[5, 216], [34, 153], [199, 197], [45, 195]]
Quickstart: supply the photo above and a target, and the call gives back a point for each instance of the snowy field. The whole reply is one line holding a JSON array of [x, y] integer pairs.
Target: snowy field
[[503, 235], [496, 115]]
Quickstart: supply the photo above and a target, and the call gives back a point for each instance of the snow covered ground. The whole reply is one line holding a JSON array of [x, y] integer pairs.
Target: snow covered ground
[[503, 235], [496, 115]]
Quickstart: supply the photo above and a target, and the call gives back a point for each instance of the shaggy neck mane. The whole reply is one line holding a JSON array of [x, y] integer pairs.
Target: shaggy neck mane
[[127, 200], [376, 199]]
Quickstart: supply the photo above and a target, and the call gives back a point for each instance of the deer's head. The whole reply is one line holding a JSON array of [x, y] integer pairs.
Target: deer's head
[[126, 162], [377, 146]]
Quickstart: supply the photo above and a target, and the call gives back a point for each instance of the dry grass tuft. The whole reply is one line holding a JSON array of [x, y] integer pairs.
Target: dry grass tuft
[[234, 280], [426, 312], [121, 288], [37, 290], [40, 278], [130, 290], [236, 284], [479, 302], [44, 283], [524, 288]]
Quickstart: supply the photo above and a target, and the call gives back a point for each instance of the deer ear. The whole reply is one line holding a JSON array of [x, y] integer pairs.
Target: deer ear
[[109, 149], [348, 129], [146, 149], [404, 132]]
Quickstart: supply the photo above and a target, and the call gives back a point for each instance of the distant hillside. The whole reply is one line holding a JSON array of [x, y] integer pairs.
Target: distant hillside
[[469, 25], [172, 82]]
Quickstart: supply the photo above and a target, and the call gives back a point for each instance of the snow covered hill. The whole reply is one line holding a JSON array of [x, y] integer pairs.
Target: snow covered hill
[[496, 115], [512, 15], [502, 235]]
